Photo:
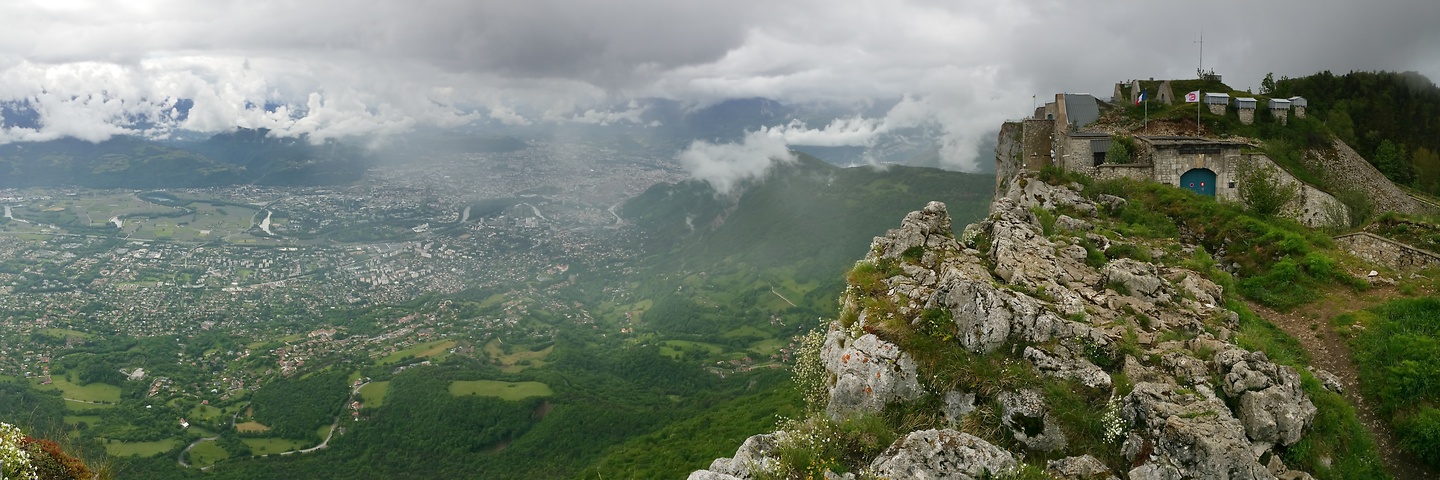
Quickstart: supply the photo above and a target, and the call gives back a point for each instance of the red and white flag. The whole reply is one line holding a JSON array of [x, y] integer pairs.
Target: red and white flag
[[1192, 97]]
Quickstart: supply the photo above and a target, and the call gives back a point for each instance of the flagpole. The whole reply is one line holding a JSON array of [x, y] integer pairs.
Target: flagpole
[[1198, 100]]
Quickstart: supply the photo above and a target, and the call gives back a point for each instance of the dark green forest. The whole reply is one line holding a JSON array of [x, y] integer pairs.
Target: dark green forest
[[1390, 118]]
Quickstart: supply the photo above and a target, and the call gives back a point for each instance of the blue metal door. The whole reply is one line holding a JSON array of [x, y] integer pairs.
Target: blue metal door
[[1199, 180]]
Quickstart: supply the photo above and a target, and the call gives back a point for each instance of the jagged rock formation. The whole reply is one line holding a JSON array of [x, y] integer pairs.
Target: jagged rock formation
[[941, 454], [1153, 338]]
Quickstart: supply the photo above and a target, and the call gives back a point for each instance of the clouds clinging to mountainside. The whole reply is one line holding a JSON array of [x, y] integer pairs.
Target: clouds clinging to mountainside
[[336, 68]]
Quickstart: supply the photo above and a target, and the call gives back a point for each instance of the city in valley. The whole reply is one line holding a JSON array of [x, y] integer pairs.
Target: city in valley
[[439, 255]]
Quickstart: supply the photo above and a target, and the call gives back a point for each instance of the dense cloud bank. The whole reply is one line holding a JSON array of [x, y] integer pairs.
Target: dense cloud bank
[[332, 68]]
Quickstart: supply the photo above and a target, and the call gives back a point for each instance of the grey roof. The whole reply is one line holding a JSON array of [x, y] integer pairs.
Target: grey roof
[[1277, 103], [1298, 101], [1081, 108], [1245, 102], [1175, 140], [1217, 98]]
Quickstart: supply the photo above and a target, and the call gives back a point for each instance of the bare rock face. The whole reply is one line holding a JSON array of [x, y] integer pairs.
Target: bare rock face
[[1036, 298], [755, 455], [1029, 421], [1023, 256], [944, 454], [1138, 279], [1186, 434], [1065, 362], [1273, 405], [869, 372], [928, 227], [1070, 224], [1084, 467]]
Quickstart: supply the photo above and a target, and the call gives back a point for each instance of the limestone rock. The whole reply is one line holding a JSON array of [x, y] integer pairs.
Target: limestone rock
[[940, 454], [1069, 224], [1329, 380], [929, 227], [754, 455], [1110, 201], [957, 406], [1205, 291], [1064, 362], [1139, 278], [868, 373], [1084, 467], [1273, 406], [1185, 367], [1185, 434], [1029, 421]]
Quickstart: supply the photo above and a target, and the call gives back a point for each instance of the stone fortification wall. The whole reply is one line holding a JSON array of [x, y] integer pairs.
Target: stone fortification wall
[[1137, 172], [1039, 141], [1009, 151], [1217, 108], [1281, 115], [1312, 207], [1170, 165], [1247, 115], [1073, 154], [1344, 166], [1387, 252]]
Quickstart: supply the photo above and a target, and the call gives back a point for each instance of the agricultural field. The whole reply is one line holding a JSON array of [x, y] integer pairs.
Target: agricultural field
[[206, 453], [434, 349], [518, 361], [82, 407], [251, 426], [208, 413], [95, 392], [140, 449], [373, 393], [502, 390], [89, 420], [269, 446]]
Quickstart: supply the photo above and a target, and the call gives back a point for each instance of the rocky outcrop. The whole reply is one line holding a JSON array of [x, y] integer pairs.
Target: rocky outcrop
[[1135, 278], [1006, 289], [868, 373], [1084, 467], [942, 454], [1065, 362], [1024, 413], [753, 456], [1273, 407], [1186, 433]]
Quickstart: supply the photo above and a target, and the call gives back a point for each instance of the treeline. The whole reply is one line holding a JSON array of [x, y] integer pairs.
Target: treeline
[[1390, 118], [40, 413]]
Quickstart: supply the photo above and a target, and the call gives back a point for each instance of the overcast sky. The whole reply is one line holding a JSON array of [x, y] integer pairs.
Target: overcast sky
[[367, 67]]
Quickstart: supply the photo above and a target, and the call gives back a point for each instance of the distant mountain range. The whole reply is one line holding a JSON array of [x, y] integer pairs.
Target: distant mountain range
[[240, 157]]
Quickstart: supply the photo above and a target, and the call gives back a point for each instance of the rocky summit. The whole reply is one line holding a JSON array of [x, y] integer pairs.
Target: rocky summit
[[1149, 346]]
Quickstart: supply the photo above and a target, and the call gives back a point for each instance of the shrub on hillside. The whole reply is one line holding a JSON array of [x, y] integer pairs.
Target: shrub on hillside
[[1262, 189]]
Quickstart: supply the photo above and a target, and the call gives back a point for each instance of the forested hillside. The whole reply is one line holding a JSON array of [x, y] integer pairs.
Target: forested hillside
[[1391, 118]]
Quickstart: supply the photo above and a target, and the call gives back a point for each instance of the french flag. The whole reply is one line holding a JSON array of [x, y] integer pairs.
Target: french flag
[[1141, 98]]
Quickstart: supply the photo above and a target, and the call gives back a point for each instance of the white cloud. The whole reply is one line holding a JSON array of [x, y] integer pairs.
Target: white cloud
[[728, 166], [631, 114], [507, 116]]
